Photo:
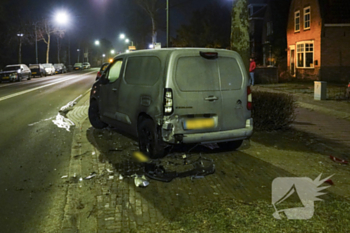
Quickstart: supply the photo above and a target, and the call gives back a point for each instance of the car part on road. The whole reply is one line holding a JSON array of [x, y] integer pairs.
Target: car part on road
[[92, 175], [141, 181], [94, 116], [338, 160], [157, 172]]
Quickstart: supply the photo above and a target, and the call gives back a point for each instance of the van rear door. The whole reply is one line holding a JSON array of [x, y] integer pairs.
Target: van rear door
[[233, 95], [209, 88], [197, 97]]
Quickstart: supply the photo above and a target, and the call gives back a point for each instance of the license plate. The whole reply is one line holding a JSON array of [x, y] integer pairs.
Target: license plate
[[5, 77], [199, 123], [77, 68], [33, 72], [56, 72]]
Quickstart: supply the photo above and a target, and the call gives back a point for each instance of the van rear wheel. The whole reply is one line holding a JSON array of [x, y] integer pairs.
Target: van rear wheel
[[232, 145], [148, 139], [94, 116]]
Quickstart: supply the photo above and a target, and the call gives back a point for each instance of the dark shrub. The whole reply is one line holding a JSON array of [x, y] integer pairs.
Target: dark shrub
[[272, 111]]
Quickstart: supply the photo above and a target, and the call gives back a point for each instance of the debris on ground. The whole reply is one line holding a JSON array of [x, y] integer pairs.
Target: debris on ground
[[141, 181], [140, 157], [120, 177], [329, 181], [65, 176], [92, 175], [342, 161], [196, 170], [109, 171]]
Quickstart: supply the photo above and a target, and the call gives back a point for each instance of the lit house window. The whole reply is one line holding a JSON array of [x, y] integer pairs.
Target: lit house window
[[307, 18], [297, 21], [305, 53]]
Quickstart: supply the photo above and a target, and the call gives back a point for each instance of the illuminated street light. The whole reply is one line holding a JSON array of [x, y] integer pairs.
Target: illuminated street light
[[97, 42], [62, 17], [151, 46], [112, 51], [127, 41], [103, 55], [122, 36]]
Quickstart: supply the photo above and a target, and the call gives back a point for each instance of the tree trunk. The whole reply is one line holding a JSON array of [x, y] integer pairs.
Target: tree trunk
[[48, 48], [154, 31], [240, 41]]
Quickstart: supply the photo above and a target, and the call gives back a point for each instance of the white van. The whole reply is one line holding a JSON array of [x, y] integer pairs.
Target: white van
[[174, 96]]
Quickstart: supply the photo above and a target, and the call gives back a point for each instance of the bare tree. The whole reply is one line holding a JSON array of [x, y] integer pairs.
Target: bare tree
[[240, 41], [44, 31], [151, 7]]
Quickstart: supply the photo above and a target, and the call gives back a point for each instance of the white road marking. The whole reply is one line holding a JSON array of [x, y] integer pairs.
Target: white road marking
[[41, 121], [37, 88]]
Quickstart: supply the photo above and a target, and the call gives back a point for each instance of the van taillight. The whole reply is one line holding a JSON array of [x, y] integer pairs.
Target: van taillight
[[168, 101], [99, 74], [250, 99]]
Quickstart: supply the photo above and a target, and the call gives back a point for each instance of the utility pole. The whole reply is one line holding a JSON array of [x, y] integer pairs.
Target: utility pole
[[167, 23], [20, 35], [36, 45]]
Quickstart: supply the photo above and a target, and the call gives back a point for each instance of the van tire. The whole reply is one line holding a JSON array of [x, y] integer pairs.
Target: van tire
[[232, 145], [148, 139], [94, 116]]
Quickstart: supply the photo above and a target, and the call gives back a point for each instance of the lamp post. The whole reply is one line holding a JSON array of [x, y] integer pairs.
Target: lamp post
[[20, 35], [103, 56], [127, 41], [61, 18], [78, 54], [167, 23], [36, 44]]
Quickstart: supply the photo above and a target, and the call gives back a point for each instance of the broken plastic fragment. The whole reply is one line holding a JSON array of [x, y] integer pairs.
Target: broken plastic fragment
[[93, 153], [109, 171], [111, 177], [65, 176], [338, 160], [329, 181], [140, 157], [196, 177], [141, 181], [92, 174], [184, 156], [120, 177]]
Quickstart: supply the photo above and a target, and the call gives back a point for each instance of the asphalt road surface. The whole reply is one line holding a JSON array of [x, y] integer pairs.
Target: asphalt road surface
[[34, 152]]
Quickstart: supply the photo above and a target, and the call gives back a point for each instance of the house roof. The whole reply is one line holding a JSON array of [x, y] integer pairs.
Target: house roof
[[335, 11]]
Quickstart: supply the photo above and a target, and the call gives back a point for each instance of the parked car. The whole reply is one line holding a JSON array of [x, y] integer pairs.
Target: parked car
[[175, 96], [102, 68], [37, 70], [49, 68], [86, 65], [60, 68], [78, 66], [15, 73]]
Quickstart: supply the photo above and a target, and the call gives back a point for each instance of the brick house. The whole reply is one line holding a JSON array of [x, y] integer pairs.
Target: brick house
[[318, 38]]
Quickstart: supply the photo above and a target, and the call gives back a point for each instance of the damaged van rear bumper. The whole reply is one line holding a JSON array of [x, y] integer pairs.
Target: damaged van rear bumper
[[220, 136]]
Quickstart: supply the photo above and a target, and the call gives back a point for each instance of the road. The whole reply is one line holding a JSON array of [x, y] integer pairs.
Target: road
[[34, 152]]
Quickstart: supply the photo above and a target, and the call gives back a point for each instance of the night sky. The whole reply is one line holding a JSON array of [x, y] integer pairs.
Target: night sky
[[92, 20]]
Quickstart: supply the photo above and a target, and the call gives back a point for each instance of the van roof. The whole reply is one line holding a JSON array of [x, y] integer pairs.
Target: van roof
[[170, 50]]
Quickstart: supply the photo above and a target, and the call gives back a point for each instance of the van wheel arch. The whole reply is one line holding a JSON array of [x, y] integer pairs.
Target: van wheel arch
[[148, 137]]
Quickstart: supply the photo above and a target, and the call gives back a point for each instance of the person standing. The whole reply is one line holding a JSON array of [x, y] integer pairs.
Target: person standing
[[252, 67]]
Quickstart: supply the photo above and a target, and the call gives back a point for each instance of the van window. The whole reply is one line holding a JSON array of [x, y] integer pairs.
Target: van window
[[230, 74], [197, 74], [114, 71], [142, 70]]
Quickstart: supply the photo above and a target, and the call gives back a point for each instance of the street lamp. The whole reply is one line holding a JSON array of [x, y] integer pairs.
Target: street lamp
[[20, 35], [122, 36], [112, 51], [61, 18], [97, 42]]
